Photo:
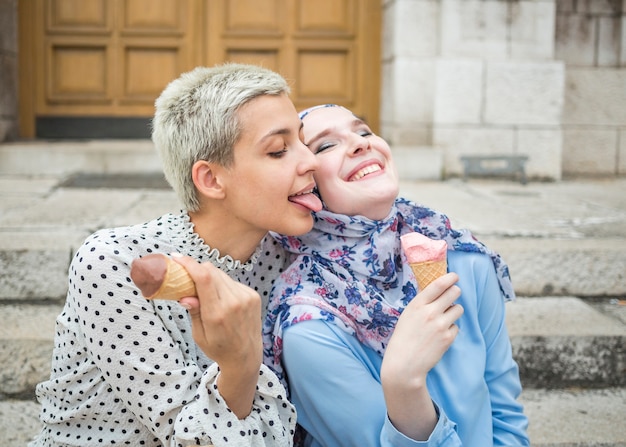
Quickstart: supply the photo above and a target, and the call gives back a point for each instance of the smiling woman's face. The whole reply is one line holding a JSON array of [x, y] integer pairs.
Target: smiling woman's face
[[356, 174]]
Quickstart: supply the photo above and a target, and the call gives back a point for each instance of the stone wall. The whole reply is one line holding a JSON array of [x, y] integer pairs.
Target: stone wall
[[543, 78], [8, 70], [591, 40]]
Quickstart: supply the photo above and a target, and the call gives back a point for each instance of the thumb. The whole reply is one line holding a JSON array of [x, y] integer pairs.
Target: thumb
[[192, 304]]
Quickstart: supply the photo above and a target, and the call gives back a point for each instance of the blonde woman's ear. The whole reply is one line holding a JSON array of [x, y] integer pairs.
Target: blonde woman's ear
[[206, 178]]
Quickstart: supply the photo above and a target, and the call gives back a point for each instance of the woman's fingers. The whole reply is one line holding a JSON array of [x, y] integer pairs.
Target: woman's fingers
[[441, 293], [226, 319]]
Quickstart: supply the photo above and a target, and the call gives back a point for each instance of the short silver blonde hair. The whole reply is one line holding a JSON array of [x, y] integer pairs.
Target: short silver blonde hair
[[196, 119]]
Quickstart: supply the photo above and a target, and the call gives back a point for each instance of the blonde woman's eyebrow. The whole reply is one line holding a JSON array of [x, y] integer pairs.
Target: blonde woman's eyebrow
[[280, 131]]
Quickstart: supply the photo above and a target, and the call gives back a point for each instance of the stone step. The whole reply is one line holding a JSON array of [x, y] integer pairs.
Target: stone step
[[557, 418], [562, 342], [585, 268], [558, 342], [65, 157], [576, 417]]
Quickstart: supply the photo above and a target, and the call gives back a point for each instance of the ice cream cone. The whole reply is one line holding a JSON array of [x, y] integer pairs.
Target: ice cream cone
[[428, 271], [176, 284]]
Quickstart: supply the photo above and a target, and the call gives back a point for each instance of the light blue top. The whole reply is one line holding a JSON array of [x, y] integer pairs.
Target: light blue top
[[334, 380]]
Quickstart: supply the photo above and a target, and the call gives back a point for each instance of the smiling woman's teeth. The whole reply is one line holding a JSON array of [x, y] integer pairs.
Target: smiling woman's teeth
[[363, 172]]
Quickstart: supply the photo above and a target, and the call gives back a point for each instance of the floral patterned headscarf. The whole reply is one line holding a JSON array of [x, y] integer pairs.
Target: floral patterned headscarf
[[349, 270]]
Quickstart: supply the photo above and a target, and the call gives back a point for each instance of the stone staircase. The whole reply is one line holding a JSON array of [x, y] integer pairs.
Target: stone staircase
[[565, 243]]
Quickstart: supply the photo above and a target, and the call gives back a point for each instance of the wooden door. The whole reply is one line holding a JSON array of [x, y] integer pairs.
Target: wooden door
[[93, 68]]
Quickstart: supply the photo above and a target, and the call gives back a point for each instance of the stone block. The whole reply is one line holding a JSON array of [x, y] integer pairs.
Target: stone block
[[457, 141], [588, 267], [8, 129], [609, 41], [597, 7], [410, 29], [68, 208], [561, 417], [19, 421], [590, 151], [532, 30], [519, 93], [595, 97], [97, 156], [8, 26], [387, 90], [411, 83], [621, 154], [8, 81], [575, 39], [544, 149], [563, 341], [387, 41], [473, 28], [458, 91], [622, 58], [34, 263], [33, 274], [409, 134], [565, 6], [26, 343], [418, 163]]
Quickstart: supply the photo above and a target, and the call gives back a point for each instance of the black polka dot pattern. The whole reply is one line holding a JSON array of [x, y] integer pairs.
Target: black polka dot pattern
[[126, 371]]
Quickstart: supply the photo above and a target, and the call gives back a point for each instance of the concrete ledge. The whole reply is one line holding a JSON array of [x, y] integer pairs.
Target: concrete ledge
[[560, 342], [19, 422], [557, 341], [26, 343], [581, 267], [557, 418], [34, 265], [539, 267], [58, 158], [575, 417]]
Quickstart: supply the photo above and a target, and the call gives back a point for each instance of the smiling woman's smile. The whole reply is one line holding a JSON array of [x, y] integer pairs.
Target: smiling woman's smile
[[365, 171]]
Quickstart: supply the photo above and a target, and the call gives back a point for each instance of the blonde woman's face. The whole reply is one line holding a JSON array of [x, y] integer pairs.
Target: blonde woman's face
[[269, 186], [356, 173]]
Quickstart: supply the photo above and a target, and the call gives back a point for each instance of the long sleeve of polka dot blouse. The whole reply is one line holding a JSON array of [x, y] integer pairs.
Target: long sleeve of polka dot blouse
[[126, 370]]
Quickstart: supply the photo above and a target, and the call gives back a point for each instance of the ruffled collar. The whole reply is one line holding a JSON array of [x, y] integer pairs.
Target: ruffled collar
[[188, 242]]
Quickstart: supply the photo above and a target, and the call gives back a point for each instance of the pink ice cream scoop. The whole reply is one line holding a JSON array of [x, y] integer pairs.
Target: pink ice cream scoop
[[427, 257]]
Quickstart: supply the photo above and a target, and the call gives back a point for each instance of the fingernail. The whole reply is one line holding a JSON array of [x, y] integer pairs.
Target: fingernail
[[185, 305], [176, 255]]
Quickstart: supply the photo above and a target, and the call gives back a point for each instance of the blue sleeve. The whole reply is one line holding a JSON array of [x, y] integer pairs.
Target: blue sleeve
[[501, 371], [335, 386]]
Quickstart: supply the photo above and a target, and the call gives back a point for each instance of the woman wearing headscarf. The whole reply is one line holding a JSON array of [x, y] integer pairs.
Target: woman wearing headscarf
[[369, 359]]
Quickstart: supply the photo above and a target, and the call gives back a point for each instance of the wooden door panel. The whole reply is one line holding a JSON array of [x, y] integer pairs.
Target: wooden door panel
[[77, 73], [147, 68], [325, 75], [160, 16], [245, 17], [268, 58], [331, 17], [87, 16]]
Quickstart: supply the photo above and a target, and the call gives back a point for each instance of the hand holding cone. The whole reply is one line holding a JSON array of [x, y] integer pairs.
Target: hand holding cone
[[427, 257], [159, 277]]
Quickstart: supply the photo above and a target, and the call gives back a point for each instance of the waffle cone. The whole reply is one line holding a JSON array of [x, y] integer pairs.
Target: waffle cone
[[176, 284], [428, 271]]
